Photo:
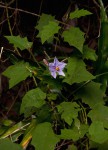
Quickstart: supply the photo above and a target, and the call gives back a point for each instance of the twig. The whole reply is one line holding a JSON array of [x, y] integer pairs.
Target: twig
[[27, 12]]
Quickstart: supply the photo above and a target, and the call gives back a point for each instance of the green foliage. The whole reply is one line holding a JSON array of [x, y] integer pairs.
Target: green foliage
[[99, 113], [18, 42], [74, 133], [86, 93], [47, 27], [35, 97], [69, 111], [98, 133], [79, 13], [44, 137], [89, 53], [76, 71], [75, 37], [72, 108], [17, 73], [48, 31], [6, 144]]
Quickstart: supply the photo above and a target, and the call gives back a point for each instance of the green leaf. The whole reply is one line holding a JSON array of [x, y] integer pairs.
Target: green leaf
[[48, 31], [91, 94], [97, 132], [17, 73], [70, 134], [79, 13], [89, 53], [44, 20], [76, 71], [6, 144], [19, 42], [72, 147], [47, 27], [52, 96], [68, 111], [44, 137], [74, 133], [35, 97], [75, 37], [99, 113], [15, 128]]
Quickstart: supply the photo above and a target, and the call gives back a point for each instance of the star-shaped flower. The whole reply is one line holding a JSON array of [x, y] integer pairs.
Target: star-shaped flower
[[57, 68]]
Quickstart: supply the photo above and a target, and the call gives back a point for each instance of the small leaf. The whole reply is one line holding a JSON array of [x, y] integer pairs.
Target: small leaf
[[76, 71], [99, 113], [6, 144], [79, 13], [89, 53], [48, 31], [35, 97], [98, 133], [44, 137], [17, 73], [18, 42], [68, 111], [75, 37], [91, 94]]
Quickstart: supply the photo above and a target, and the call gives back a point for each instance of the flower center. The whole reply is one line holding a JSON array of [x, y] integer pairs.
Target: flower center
[[57, 68]]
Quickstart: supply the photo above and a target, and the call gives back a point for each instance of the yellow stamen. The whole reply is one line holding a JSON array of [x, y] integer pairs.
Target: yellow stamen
[[57, 68]]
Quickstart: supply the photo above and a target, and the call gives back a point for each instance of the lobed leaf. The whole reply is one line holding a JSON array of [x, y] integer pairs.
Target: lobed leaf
[[97, 132], [44, 137], [79, 13], [19, 42], [99, 113], [47, 27], [35, 97], [17, 73], [75, 37], [6, 144], [68, 111], [76, 71], [89, 53], [91, 94]]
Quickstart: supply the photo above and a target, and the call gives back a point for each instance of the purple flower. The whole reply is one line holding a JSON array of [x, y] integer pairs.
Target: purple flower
[[57, 68]]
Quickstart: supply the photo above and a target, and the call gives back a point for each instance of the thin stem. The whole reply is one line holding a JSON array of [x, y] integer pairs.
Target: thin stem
[[34, 57]]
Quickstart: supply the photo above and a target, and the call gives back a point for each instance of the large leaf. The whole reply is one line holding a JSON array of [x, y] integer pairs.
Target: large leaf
[[35, 97], [44, 137], [19, 42], [79, 13], [48, 31], [17, 73], [99, 113], [68, 111], [6, 144], [91, 94], [75, 37], [98, 133], [76, 71]]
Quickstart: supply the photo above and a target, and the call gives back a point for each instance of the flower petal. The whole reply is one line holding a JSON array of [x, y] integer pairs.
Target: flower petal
[[53, 74], [60, 72], [51, 67], [61, 65], [56, 61]]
